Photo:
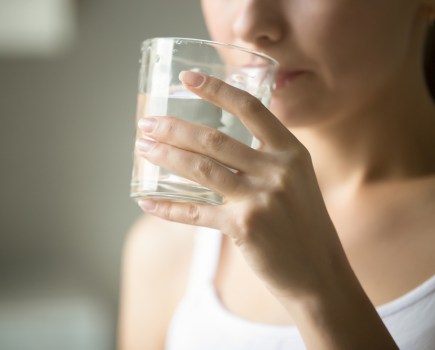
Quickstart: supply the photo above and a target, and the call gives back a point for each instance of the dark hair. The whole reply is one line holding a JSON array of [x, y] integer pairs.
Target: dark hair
[[429, 60]]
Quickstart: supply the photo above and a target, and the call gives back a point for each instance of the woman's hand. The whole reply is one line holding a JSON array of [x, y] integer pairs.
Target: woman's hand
[[273, 209]]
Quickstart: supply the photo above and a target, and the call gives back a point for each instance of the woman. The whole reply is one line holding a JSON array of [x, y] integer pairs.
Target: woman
[[328, 228]]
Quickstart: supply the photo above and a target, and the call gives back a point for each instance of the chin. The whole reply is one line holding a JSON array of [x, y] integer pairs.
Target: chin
[[300, 109], [294, 115]]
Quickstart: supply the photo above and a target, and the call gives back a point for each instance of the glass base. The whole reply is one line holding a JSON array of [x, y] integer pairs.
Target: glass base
[[175, 191]]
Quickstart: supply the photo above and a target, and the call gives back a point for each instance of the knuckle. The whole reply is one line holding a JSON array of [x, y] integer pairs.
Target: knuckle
[[301, 155], [248, 219], [214, 87], [164, 210], [255, 214], [297, 155], [159, 151], [193, 214], [214, 139], [281, 179], [249, 104], [167, 126], [204, 168], [289, 164]]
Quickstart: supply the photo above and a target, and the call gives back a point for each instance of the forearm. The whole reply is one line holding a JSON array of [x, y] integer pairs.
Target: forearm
[[340, 316]]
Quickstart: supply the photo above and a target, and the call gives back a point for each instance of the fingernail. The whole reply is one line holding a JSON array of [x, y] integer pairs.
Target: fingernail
[[147, 124], [144, 145], [147, 204], [192, 78]]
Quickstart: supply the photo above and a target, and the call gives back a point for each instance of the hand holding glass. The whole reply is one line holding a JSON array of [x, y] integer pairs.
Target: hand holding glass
[[161, 94]]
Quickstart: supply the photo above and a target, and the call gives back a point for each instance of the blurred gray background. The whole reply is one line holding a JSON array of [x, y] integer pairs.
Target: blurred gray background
[[68, 79]]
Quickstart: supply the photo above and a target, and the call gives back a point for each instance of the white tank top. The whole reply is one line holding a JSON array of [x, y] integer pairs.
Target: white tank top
[[201, 322]]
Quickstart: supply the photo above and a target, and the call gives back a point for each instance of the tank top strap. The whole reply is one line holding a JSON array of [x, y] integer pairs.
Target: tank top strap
[[205, 259]]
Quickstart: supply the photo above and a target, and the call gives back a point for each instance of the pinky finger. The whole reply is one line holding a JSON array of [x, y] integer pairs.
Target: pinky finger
[[184, 213]]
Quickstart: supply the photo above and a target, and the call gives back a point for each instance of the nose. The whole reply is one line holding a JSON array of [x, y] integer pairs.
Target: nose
[[260, 22]]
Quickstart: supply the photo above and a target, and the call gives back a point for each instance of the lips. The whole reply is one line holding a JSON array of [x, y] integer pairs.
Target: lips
[[286, 77]]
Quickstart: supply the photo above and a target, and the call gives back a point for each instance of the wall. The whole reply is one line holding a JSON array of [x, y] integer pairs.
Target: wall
[[66, 140]]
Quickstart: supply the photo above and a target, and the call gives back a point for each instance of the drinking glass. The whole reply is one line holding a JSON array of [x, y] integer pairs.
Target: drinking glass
[[161, 94]]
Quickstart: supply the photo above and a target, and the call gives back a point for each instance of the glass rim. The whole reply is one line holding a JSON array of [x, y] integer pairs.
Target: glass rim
[[274, 62]]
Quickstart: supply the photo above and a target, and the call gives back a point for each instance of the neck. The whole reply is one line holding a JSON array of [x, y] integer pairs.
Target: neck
[[392, 139]]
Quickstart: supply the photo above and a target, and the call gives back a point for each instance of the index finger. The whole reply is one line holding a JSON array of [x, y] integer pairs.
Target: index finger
[[252, 113]]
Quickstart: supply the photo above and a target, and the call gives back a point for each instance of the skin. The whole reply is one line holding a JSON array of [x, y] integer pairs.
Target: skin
[[340, 195]]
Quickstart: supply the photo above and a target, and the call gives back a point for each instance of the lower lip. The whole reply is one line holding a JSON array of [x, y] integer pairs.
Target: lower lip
[[285, 79]]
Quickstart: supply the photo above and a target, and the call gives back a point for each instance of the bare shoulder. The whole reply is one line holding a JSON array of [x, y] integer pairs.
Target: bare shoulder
[[156, 262], [151, 238]]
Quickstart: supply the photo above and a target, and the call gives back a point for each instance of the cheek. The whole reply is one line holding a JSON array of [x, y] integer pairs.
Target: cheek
[[373, 45], [355, 52], [219, 26]]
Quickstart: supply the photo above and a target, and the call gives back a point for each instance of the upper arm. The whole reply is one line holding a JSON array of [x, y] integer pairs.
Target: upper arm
[[155, 263]]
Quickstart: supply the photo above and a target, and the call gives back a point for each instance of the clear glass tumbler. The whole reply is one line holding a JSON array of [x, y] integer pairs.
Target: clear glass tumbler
[[161, 93]]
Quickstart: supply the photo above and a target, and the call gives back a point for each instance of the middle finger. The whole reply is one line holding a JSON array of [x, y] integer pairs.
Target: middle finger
[[203, 140]]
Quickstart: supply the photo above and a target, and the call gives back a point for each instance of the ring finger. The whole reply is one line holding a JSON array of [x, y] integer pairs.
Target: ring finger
[[193, 166]]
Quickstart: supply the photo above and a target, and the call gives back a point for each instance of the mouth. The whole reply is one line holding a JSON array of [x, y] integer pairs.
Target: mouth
[[286, 77]]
